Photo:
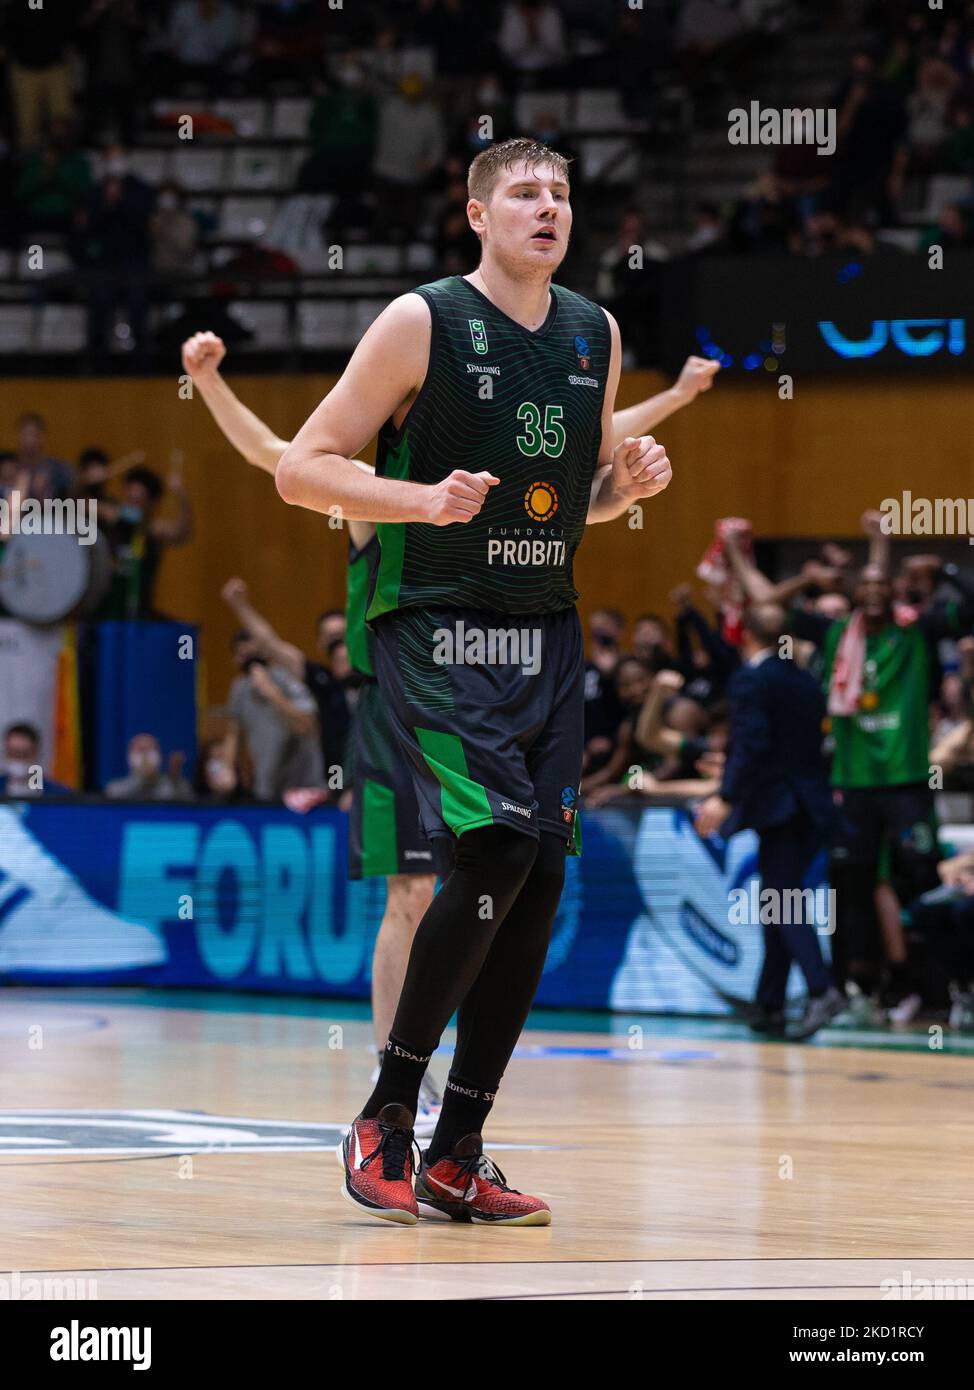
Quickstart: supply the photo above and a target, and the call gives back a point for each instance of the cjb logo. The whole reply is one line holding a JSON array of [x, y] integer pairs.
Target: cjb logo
[[478, 334]]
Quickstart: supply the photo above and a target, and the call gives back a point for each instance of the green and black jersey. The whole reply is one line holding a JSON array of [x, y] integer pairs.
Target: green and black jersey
[[525, 406], [886, 742], [358, 639]]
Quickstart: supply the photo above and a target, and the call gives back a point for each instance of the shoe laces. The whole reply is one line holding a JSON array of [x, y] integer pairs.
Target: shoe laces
[[480, 1166], [398, 1150]]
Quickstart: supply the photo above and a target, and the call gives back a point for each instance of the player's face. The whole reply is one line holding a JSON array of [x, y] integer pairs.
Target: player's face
[[528, 220]]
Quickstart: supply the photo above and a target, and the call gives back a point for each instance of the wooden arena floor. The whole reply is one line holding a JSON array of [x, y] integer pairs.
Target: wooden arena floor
[[187, 1152]]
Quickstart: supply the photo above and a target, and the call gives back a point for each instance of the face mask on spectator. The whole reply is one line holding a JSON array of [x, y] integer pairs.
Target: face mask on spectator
[[130, 513], [220, 775], [144, 762]]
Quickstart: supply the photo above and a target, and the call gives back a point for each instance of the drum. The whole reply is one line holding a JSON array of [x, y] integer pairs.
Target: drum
[[48, 578]]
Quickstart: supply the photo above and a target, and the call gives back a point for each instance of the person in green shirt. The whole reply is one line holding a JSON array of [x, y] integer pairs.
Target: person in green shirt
[[881, 761]]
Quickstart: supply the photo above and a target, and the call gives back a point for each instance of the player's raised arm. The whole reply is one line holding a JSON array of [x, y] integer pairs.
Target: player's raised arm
[[696, 376], [202, 355], [386, 372], [631, 470]]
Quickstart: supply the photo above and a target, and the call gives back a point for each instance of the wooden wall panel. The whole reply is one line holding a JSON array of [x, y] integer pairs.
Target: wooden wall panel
[[803, 467]]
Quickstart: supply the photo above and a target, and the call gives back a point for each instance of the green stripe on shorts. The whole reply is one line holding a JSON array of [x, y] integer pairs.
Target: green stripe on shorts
[[380, 849], [464, 803]]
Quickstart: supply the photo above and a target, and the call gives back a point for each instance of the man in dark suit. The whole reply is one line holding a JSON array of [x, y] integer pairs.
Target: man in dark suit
[[775, 781]]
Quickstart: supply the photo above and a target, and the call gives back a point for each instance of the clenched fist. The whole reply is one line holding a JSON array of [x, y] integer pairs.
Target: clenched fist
[[458, 498], [640, 468], [202, 354]]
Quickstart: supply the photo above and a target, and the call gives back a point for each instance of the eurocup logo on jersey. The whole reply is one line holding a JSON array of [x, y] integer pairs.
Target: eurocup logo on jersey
[[478, 335], [569, 797], [582, 350]]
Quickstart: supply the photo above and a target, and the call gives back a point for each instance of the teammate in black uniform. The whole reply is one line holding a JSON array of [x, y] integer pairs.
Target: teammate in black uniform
[[493, 395]]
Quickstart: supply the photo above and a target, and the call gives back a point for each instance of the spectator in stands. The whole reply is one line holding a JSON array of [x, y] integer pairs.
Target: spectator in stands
[[276, 715], [492, 99], [23, 774], [342, 130], [288, 41], [927, 110], [708, 232], [876, 671], [8, 471], [146, 780], [628, 284], [454, 235], [870, 122], [110, 31], [532, 41], [944, 917], [37, 474], [38, 46], [203, 37], [114, 232], [92, 477], [603, 709], [455, 33], [216, 777], [139, 538], [958, 153], [653, 644], [951, 230], [329, 686], [648, 758], [641, 45], [707, 664], [409, 146], [54, 182], [766, 219], [174, 233]]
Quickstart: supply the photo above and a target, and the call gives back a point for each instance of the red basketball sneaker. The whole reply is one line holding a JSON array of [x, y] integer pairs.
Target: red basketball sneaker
[[379, 1165], [467, 1186]]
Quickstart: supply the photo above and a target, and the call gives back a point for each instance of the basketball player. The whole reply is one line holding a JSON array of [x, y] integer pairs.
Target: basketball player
[[385, 840], [492, 395]]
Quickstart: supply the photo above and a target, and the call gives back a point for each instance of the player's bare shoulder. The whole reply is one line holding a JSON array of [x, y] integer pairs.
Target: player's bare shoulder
[[403, 331]]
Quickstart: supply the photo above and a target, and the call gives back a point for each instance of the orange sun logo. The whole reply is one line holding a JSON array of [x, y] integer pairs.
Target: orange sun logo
[[541, 501]]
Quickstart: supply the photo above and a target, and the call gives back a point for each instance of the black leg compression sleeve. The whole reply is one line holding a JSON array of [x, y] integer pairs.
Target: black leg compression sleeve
[[493, 1012], [490, 867]]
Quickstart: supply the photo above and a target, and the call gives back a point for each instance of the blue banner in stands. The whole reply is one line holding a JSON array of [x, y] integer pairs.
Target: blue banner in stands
[[145, 684], [257, 898]]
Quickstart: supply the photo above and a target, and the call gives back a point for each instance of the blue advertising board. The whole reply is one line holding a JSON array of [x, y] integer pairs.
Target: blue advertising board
[[256, 898]]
